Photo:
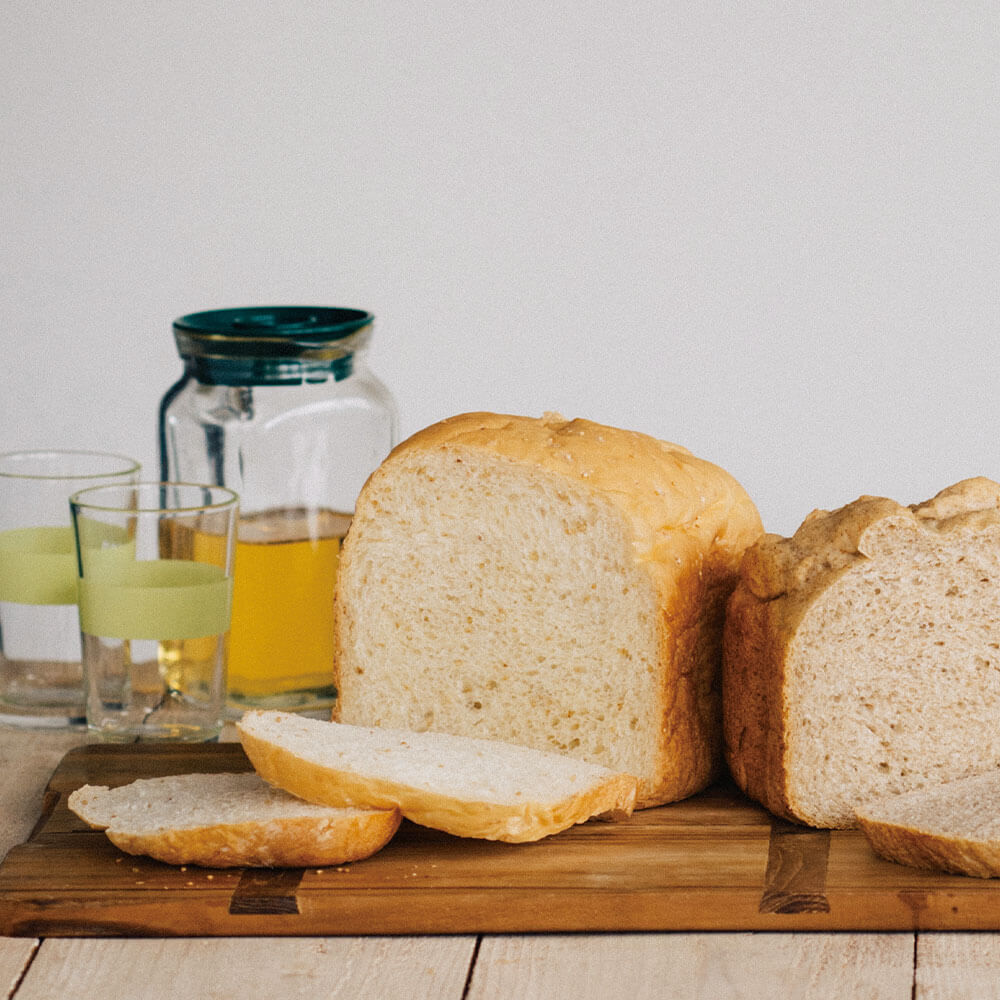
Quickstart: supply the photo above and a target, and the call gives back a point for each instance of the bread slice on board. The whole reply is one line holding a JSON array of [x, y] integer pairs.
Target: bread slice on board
[[464, 786], [954, 827], [551, 583], [862, 655], [230, 820]]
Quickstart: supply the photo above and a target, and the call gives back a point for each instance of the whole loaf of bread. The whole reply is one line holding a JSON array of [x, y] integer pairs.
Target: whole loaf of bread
[[862, 655], [550, 583]]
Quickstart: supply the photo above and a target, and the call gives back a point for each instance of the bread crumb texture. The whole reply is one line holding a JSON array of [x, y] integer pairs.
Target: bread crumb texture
[[557, 584], [862, 655]]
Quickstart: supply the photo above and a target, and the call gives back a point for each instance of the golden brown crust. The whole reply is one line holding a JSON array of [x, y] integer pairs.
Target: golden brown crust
[[691, 522], [290, 843], [920, 849], [660, 485], [752, 682], [691, 633], [529, 821], [829, 542]]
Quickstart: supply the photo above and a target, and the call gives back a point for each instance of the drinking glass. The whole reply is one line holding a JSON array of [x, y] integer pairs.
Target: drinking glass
[[41, 680], [155, 593]]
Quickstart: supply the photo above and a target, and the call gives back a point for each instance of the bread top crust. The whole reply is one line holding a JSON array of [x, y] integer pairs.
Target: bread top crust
[[828, 543], [670, 496]]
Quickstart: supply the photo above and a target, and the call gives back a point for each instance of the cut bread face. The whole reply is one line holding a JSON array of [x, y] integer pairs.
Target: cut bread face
[[463, 786], [862, 656], [502, 611], [230, 820], [554, 584], [953, 827]]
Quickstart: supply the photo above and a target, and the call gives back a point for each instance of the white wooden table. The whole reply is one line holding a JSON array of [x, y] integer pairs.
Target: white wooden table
[[900, 966]]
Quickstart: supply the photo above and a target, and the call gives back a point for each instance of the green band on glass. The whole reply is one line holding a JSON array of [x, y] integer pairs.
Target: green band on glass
[[38, 566], [156, 599]]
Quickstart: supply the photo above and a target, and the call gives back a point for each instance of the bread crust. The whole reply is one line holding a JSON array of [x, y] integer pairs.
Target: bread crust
[[923, 849], [295, 843], [754, 641], [690, 522], [659, 485], [781, 580]]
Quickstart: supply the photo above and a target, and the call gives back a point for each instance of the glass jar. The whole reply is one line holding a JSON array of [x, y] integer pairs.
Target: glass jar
[[278, 404]]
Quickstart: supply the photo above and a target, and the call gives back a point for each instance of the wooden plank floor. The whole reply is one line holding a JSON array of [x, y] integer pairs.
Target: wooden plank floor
[[947, 966], [928, 966]]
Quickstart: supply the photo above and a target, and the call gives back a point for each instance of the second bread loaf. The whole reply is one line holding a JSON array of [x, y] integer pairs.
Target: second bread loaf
[[862, 655]]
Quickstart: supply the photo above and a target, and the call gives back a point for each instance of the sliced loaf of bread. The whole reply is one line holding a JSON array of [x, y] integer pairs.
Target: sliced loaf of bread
[[463, 786], [551, 583], [954, 827], [862, 655], [230, 820]]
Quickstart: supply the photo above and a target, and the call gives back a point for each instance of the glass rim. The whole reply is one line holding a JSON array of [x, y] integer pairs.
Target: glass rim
[[82, 499], [130, 465]]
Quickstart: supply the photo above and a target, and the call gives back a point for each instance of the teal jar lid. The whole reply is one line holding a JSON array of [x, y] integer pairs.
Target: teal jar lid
[[271, 345]]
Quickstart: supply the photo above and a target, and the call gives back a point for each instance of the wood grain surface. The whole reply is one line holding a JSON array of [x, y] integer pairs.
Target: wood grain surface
[[714, 862], [278, 969], [695, 966]]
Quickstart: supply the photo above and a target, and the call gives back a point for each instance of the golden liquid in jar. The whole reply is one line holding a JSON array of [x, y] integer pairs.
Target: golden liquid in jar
[[187, 666], [281, 636]]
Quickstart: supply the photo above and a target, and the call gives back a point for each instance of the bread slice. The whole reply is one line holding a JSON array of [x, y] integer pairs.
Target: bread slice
[[862, 655], [230, 820], [464, 786], [954, 827], [555, 584]]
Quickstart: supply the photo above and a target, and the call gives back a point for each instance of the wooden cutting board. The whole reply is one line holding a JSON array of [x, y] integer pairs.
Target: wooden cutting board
[[714, 862]]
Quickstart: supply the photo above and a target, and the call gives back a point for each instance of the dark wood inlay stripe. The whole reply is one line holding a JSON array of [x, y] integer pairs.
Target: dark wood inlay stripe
[[266, 890], [795, 880]]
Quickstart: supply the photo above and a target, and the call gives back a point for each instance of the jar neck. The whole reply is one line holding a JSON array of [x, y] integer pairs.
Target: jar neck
[[210, 370]]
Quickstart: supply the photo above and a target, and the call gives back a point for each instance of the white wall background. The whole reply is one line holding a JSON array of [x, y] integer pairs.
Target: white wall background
[[766, 231]]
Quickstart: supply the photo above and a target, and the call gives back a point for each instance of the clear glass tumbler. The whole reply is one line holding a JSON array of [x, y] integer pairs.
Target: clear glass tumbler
[[41, 681], [155, 596]]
